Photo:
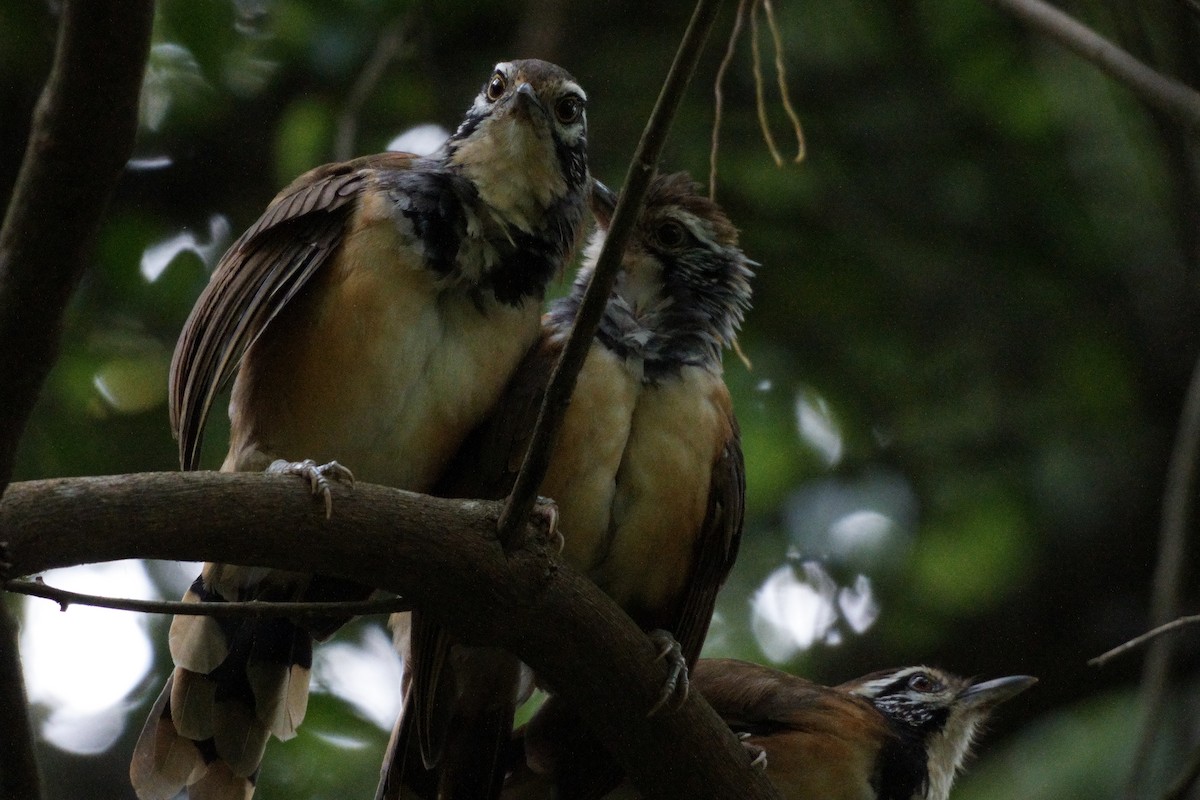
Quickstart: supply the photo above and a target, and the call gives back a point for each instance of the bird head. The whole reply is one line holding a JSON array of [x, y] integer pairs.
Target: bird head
[[935, 712], [684, 281], [523, 142]]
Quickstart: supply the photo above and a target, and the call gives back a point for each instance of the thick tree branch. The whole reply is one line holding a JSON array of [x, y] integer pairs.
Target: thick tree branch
[[1173, 97], [83, 132], [443, 554], [637, 181]]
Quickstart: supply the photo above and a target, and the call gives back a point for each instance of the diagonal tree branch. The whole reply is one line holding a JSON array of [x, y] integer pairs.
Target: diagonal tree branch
[[387, 49], [443, 554], [1176, 98], [83, 132], [1182, 103], [637, 181]]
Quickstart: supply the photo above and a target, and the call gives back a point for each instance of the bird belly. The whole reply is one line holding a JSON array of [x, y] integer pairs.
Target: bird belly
[[376, 367], [661, 499], [583, 467], [631, 474]]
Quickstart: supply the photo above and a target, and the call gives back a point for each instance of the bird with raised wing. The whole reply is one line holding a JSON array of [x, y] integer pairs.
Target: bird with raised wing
[[371, 316]]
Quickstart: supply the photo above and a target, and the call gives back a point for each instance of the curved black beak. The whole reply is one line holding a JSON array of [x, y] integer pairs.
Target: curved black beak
[[603, 201]]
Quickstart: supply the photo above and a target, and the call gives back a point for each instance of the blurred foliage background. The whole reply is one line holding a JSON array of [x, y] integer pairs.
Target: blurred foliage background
[[974, 323]]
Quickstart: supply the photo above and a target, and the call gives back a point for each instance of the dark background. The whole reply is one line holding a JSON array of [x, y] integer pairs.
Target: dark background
[[974, 323]]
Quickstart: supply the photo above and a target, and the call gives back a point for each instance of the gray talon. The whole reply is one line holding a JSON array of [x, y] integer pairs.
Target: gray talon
[[545, 511], [758, 755], [675, 690], [318, 476]]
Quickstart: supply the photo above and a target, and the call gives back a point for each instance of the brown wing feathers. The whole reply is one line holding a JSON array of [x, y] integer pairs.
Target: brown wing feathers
[[171, 760], [501, 243], [259, 275], [236, 684], [716, 546]]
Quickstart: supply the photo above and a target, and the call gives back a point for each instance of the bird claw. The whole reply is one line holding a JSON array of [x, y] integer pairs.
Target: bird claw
[[758, 755], [318, 476], [675, 690], [545, 516]]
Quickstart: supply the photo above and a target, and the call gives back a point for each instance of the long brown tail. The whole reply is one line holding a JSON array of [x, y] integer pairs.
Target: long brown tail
[[236, 683], [403, 774], [452, 741], [472, 767]]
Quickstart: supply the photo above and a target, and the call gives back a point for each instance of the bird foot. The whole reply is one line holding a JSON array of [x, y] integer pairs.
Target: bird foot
[[675, 691], [545, 516], [758, 755], [317, 475]]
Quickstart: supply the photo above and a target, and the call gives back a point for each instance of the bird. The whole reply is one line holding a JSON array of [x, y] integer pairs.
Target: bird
[[898, 734], [371, 317], [647, 471]]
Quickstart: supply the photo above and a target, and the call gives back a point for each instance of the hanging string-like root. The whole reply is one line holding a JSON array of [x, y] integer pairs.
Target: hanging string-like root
[[719, 98], [781, 77], [750, 7], [760, 102]]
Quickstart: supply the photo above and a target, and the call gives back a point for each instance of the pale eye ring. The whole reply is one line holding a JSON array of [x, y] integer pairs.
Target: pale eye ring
[[670, 234], [921, 683], [568, 109], [496, 87]]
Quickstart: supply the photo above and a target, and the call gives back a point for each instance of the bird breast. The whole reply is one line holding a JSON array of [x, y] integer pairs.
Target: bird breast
[[376, 367], [631, 475], [520, 186]]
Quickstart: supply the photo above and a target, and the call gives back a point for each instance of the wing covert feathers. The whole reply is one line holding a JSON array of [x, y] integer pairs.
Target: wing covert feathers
[[716, 545], [298, 234]]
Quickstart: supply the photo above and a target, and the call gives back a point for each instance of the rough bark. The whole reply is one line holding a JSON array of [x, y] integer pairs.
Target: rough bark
[[444, 555]]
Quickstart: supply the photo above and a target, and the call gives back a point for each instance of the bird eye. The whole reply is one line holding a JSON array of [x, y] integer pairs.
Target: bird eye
[[922, 683], [670, 235], [496, 87], [568, 109]]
